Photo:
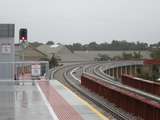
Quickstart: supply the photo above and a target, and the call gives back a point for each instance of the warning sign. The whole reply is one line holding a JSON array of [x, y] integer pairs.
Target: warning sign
[[36, 70]]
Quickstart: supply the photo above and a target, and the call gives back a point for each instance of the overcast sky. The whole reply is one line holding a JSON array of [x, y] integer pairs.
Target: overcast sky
[[68, 21]]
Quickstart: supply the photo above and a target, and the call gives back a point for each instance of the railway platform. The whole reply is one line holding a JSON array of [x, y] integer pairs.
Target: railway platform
[[45, 100], [66, 104]]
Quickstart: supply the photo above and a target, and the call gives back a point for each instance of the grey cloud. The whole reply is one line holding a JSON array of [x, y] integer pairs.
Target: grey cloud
[[68, 21]]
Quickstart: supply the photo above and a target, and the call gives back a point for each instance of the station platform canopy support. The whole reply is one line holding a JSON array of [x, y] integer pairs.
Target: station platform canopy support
[[7, 51]]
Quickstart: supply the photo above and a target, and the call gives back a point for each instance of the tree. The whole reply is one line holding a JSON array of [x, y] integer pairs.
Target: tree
[[50, 43], [53, 62], [155, 54], [36, 44], [114, 45], [103, 46], [130, 56], [137, 55], [117, 57], [127, 56], [102, 57], [77, 46], [156, 45], [93, 46]]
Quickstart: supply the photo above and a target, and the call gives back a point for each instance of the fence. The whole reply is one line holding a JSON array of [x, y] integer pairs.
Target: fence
[[23, 70]]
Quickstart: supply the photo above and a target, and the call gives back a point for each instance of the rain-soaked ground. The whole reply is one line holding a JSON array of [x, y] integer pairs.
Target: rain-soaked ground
[[22, 102]]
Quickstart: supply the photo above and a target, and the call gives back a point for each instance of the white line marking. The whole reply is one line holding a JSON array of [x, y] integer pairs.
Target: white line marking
[[85, 103], [74, 75], [51, 111]]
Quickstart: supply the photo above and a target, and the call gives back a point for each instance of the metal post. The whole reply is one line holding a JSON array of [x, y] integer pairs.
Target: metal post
[[130, 70], [113, 71], [121, 70], [135, 70], [47, 70], [125, 69], [117, 73], [22, 72], [109, 71]]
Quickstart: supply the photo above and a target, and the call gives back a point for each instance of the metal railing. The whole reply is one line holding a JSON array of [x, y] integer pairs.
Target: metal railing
[[23, 70]]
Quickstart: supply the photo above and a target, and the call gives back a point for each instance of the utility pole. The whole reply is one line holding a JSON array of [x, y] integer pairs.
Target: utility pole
[[23, 42]]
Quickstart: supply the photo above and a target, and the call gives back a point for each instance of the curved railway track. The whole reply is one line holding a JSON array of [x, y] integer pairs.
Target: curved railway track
[[65, 75], [70, 76], [112, 110]]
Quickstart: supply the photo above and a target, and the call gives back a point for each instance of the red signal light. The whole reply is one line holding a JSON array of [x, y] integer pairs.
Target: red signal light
[[23, 34]]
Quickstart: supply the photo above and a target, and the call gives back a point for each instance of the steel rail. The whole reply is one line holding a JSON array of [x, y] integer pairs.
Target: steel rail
[[68, 75], [115, 112]]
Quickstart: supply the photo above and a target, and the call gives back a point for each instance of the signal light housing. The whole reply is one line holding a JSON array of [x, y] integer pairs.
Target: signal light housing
[[23, 34]]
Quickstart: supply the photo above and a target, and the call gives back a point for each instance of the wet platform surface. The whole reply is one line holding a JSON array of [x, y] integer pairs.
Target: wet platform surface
[[43, 100], [22, 102]]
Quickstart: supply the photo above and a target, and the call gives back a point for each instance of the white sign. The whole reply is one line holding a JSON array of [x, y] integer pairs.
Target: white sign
[[36, 70], [6, 48]]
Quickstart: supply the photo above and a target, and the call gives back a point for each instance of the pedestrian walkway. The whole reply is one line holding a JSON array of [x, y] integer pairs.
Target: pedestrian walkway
[[67, 105]]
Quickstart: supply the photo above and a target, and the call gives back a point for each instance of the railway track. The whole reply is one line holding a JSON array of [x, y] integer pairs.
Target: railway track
[[71, 78], [98, 72], [112, 110], [101, 74], [74, 83]]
